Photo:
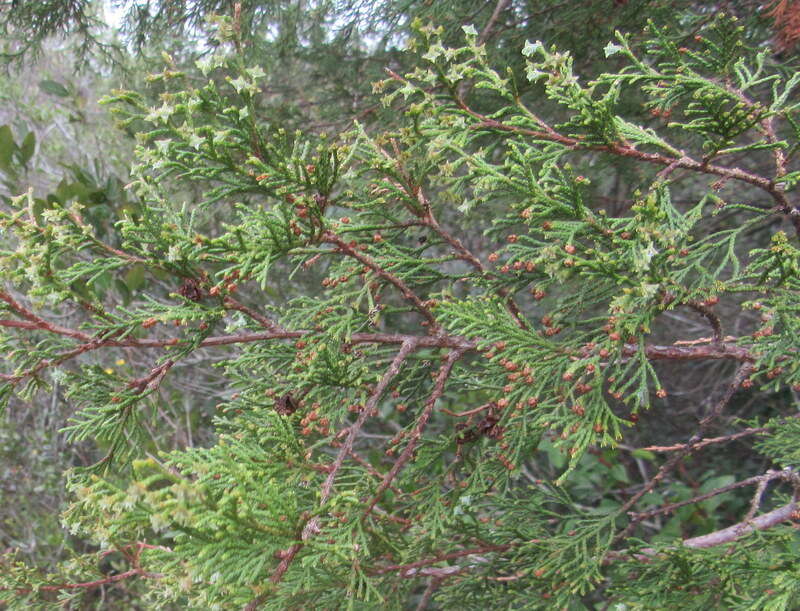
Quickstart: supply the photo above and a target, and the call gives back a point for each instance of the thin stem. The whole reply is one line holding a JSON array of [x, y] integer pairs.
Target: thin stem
[[88, 585], [407, 293], [710, 316], [426, 596], [761, 480], [233, 304], [312, 527], [712, 440], [416, 434], [39, 322], [741, 374]]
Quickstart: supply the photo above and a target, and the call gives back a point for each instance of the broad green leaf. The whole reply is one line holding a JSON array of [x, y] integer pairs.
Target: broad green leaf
[[7, 147], [53, 88], [27, 148], [134, 279]]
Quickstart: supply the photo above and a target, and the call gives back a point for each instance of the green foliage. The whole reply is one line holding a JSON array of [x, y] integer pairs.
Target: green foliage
[[444, 398], [14, 156], [754, 574]]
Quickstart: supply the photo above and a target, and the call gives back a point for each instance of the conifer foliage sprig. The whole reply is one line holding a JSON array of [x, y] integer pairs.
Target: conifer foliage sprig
[[462, 340]]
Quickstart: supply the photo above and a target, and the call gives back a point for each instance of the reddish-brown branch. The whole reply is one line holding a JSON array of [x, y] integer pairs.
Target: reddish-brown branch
[[710, 316], [427, 219], [39, 322], [487, 29], [122, 254], [741, 374], [674, 352], [19, 324], [405, 350], [547, 133], [408, 570], [712, 440], [438, 341], [457, 245], [88, 585], [428, 594], [312, 526], [153, 379], [621, 150], [438, 390], [787, 476], [375, 473], [45, 363], [233, 304], [366, 260], [469, 412], [463, 253]]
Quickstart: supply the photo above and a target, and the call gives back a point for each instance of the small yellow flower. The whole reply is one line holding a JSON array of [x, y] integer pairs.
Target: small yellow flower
[[109, 371], [120, 362]]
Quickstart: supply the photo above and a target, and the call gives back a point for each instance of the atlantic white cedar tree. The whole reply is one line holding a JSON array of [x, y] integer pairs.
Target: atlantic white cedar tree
[[460, 353]]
